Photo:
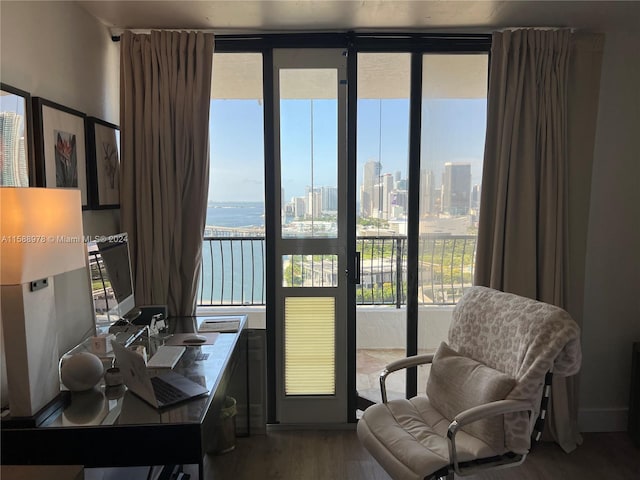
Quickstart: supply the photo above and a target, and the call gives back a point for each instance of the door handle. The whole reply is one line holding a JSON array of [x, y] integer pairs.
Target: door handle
[[356, 277]]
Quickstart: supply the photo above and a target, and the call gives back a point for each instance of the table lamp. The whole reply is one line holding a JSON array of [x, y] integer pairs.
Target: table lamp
[[40, 236]]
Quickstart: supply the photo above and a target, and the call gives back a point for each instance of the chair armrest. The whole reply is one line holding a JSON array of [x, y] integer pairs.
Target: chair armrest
[[480, 412], [412, 361]]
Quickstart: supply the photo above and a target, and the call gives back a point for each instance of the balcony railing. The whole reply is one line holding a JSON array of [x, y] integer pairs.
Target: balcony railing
[[233, 270]]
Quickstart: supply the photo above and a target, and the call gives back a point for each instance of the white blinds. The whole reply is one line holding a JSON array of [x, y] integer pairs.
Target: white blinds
[[309, 346]]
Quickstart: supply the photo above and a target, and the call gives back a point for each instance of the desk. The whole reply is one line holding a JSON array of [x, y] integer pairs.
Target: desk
[[95, 430]]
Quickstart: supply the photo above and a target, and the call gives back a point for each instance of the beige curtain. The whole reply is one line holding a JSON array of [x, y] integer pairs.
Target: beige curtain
[[527, 192], [165, 91], [582, 101]]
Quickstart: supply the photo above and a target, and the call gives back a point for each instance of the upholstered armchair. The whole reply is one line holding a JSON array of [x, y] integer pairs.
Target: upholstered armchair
[[486, 393]]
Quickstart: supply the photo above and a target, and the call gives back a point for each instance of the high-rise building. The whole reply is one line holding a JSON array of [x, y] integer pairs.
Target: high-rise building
[[365, 202], [475, 197], [398, 203], [371, 178], [13, 162], [456, 188], [314, 202], [400, 184], [386, 182], [329, 197], [427, 193], [299, 207], [23, 171], [288, 211], [376, 201], [372, 171]]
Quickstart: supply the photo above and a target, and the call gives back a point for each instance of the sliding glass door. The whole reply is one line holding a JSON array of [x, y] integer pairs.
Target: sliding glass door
[[419, 146], [384, 84], [421, 128], [454, 109], [372, 170], [310, 92]]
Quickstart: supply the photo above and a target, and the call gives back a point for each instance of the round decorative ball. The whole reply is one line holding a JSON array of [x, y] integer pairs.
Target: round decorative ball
[[81, 372], [84, 407]]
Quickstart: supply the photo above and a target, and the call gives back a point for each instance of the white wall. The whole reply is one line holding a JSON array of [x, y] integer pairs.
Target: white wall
[[386, 327], [57, 51], [611, 320]]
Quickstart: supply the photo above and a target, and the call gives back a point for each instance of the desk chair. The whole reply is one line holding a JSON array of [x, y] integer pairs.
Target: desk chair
[[484, 392]]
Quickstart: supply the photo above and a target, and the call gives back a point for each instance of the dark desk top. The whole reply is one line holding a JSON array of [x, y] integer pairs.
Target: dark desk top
[[115, 406], [94, 414]]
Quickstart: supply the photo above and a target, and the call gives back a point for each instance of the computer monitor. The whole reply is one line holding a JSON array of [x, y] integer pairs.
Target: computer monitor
[[111, 282]]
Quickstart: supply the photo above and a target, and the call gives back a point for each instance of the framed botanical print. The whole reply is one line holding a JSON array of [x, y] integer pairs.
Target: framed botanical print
[[60, 145], [104, 163], [16, 138]]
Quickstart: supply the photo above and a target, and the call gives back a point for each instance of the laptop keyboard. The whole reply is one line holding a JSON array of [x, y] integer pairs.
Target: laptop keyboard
[[165, 392]]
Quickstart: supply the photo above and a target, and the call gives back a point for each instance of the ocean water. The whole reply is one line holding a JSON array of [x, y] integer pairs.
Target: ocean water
[[233, 271], [235, 214]]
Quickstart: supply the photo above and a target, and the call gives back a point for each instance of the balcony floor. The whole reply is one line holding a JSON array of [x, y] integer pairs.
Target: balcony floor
[[370, 362]]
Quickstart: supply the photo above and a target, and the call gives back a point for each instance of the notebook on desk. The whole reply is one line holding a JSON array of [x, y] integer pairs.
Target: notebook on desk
[[222, 324], [160, 391]]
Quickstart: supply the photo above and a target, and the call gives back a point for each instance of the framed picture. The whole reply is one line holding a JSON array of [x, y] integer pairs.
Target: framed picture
[[60, 147], [16, 138], [104, 163]]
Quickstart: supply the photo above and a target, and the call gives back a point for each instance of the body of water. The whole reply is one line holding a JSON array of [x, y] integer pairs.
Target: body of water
[[233, 271], [235, 214]]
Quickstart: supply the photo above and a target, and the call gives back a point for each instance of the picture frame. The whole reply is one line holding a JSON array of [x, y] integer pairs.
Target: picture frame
[[17, 168], [60, 147], [103, 141]]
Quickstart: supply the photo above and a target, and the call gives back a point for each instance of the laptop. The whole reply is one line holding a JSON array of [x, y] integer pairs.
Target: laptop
[[160, 391]]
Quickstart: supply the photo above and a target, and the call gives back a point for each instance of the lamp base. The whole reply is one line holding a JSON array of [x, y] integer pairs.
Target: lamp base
[[30, 337], [41, 417]]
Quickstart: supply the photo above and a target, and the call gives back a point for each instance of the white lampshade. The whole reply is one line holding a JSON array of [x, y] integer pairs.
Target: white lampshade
[[40, 233]]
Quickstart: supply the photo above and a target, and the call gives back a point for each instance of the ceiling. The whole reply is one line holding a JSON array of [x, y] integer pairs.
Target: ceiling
[[240, 76], [241, 16], [380, 75]]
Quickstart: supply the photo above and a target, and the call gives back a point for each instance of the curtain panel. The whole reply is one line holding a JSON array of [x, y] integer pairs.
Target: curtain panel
[[165, 91], [538, 132], [521, 231]]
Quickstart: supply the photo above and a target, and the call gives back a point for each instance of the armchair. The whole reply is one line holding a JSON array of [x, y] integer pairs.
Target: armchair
[[486, 394]]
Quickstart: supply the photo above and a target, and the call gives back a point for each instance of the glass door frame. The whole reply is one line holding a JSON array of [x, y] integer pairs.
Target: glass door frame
[[417, 43], [296, 409], [413, 226]]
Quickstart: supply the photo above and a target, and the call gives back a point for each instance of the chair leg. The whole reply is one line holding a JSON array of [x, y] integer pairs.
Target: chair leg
[[442, 474]]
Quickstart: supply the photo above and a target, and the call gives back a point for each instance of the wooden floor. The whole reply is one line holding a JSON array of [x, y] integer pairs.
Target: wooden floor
[[337, 455]]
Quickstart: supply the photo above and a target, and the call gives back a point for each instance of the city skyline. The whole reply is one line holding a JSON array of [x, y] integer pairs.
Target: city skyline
[[384, 195], [236, 129]]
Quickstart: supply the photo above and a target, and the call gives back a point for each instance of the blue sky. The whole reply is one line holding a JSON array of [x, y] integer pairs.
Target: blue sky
[[296, 144], [453, 131], [13, 103]]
